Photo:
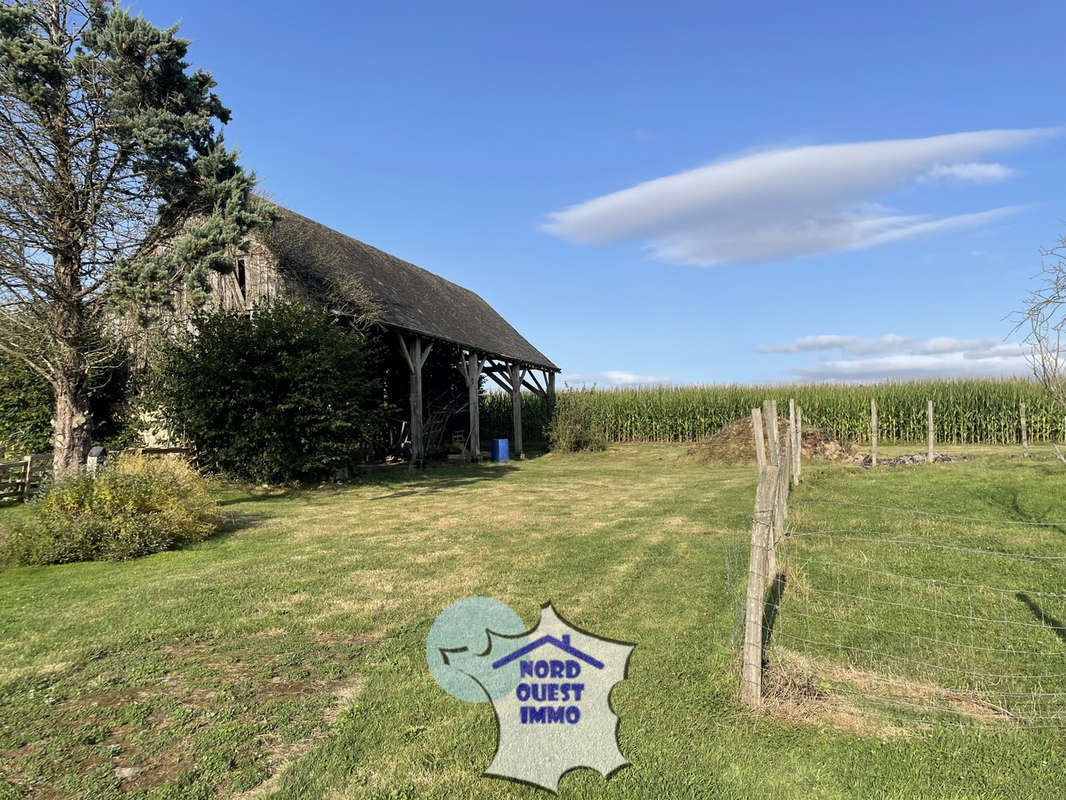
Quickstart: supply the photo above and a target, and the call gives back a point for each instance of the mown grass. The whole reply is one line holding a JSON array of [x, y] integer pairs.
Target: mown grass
[[293, 645], [954, 614]]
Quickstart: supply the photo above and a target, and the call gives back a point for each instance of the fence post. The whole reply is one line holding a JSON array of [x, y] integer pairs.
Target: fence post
[[798, 452], [760, 441], [791, 440], [929, 415], [769, 412], [26, 476], [873, 432], [1025, 433], [761, 533], [780, 515]]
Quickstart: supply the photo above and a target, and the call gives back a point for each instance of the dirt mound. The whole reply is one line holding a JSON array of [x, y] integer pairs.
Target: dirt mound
[[736, 442]]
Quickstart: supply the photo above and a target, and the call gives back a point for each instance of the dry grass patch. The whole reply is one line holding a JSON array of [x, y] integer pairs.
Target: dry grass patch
[[800, 689]]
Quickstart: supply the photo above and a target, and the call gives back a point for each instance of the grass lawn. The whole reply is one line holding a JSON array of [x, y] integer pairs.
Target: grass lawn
[[286, 657]]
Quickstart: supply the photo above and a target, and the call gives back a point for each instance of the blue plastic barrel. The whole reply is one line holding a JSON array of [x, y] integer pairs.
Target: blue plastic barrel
[[501, 450]]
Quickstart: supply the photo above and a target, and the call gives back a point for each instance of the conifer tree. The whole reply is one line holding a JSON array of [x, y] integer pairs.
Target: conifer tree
[[116, 190]]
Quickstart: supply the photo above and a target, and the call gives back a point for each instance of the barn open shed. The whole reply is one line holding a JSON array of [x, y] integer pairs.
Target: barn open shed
[[419, 312]]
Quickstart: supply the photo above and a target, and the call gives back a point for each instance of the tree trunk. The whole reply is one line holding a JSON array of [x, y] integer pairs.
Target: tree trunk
[[72, 426]]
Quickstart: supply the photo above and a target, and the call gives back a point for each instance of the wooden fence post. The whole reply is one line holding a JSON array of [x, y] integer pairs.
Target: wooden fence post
[[873, 432], [791, 440], [929, 415], [780, 514], [760, 441], [769, 412], [1025, 433], [751, 668], [797, 467], [26, 476]]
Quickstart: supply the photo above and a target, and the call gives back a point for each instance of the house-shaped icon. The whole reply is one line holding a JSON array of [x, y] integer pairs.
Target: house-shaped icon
[[563, 644]]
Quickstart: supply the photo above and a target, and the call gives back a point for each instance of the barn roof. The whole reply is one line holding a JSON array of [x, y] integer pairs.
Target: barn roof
[[410, 298]]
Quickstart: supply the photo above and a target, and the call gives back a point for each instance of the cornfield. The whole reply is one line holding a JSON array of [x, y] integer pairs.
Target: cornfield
[[966, 411]]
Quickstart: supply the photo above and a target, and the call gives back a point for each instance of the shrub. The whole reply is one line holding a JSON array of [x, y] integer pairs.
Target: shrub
[[26, 408], [574, 426], [131, 508], [287, 394]]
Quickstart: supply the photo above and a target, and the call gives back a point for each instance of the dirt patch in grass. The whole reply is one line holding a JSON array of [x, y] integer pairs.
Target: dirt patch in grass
[[279, 755], [796, 697], [196, 716], [800, 689], [736, 443]]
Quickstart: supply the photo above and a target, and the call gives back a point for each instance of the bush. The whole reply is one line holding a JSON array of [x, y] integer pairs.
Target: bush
[[574, 426], [131, 508], [26, 408], [287, 394]]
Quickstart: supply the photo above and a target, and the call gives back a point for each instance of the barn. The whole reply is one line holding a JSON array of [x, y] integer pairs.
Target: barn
[[421, 313]]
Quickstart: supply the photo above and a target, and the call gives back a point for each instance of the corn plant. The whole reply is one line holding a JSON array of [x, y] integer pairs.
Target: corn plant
[[966, 411]]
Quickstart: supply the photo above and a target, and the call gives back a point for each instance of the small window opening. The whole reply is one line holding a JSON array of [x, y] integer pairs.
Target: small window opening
[[242, 279]]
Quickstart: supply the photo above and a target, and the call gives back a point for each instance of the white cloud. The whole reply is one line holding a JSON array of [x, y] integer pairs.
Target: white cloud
[[974, 171], [893, 343], [792, 202], [612, 377], [948, 365], [894, 356]]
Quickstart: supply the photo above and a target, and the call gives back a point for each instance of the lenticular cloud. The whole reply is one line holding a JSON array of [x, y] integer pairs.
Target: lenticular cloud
[[785, 203]]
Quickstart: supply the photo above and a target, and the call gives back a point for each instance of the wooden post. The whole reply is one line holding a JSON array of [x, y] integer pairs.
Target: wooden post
[[551, 393], [26, 476], [1025, 433], [474, 399], [416, 356], [472, 366], [777, 433], [791, 440], [769, 412], [929, 417], [797, 466], [780, 513], [517, 374], [751, 668], [873, 432], [760, 440], [417, 450]]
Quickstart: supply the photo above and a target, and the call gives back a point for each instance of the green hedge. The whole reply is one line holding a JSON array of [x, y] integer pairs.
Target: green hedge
[[286, 394]]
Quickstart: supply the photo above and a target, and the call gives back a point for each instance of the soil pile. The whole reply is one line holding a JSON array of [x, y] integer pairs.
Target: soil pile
[[736, 442]]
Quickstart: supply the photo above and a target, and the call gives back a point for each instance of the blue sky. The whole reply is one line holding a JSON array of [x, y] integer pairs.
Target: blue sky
[[683, 192]]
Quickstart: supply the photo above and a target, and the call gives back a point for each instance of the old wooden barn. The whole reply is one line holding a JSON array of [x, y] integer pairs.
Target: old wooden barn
[[421, 313]]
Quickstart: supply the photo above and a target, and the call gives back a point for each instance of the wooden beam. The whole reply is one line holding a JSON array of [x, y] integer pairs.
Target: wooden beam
[[533, 377], [472, 366], [535, 389], [517, 376], [503, 384], [416, 359], [406, 355]]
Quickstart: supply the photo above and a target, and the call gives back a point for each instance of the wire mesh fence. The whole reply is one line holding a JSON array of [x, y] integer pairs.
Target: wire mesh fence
[[967, 628]]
